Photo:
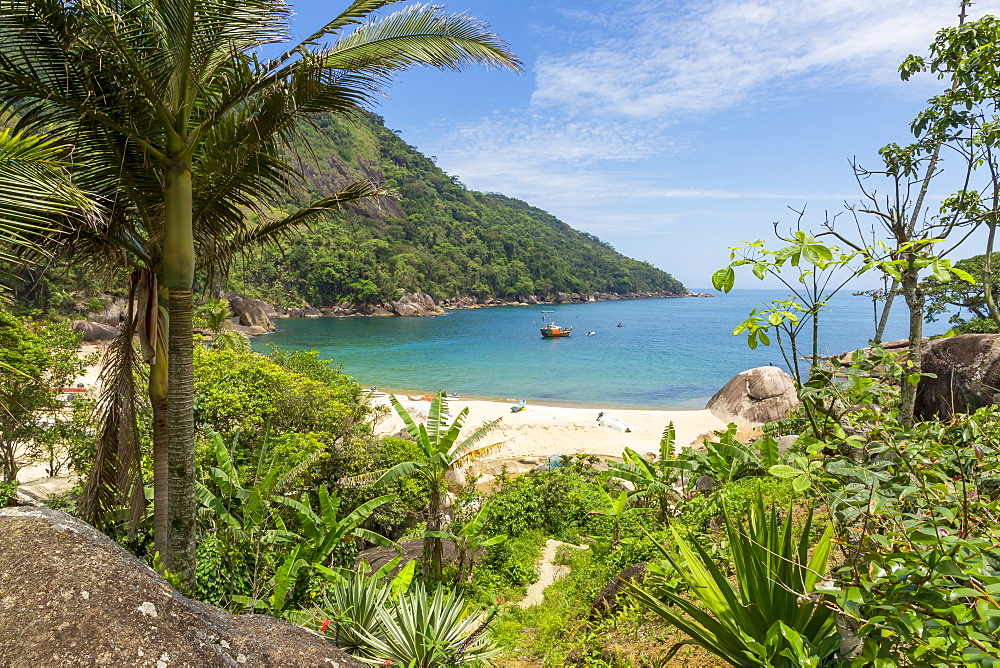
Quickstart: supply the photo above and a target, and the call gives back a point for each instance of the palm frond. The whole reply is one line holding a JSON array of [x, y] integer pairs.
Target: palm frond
[[457, 451], [116, 475], [478, 453], [36, 191]]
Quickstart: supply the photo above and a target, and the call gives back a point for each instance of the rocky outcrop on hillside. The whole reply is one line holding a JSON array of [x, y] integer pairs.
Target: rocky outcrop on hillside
[[251, 313], [71, 596], [114, 310], [94, 332], [755, 396], [967, 376], [416, 304]]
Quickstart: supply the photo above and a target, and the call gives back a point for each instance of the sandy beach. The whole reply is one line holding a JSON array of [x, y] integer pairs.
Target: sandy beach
[[532, 435], [540, 431]]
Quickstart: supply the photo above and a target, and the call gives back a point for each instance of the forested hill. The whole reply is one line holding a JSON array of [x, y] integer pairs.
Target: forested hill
[[439, 237]]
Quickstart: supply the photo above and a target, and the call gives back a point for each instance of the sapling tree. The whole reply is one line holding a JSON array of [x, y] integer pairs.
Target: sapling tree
[[811, 271], [33, 361]]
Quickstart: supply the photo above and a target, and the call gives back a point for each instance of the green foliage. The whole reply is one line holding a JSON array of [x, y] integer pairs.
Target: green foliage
[[372, 456], [819, 273], [509, 566], [242, 394], [966, 301], [727, 459], [557, 502], [652, 480], [469, 539], [34, 358], [214, 315], [382, 624], [8, 492], [442, 451], [922, 574], [766, 618], [270, 545]]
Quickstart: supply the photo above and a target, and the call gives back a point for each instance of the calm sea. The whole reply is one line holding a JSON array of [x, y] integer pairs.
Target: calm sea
[[668, 353]]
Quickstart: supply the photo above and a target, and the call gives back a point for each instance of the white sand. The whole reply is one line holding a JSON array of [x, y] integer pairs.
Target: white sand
[[540, 431]]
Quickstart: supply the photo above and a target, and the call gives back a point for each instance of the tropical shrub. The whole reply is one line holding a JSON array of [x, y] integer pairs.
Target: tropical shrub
[[385, 623], [772, 615], [242, 394], [558, 502], [921, 579], [653, 481], [8, 490], [270, 546], [369, 455], [33, 359]]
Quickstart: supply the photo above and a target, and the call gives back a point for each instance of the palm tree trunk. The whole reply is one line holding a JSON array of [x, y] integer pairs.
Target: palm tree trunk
[[178, 275], [158, 388]]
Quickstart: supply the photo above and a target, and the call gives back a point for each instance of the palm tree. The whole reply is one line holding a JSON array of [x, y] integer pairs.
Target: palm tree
[[443, 452], [177, 86]]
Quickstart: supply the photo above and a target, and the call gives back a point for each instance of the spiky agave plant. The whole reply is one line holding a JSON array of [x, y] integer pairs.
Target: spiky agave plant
[[430, 629], [772, 616]]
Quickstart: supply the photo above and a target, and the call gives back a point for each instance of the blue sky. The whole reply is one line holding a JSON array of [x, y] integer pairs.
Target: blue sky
[[674, 129]]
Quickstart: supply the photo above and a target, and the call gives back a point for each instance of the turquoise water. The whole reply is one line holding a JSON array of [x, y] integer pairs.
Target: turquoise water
[[669, 353]]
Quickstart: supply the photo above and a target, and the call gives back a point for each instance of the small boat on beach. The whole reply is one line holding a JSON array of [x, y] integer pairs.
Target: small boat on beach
[[553, 330], [518, 407], [615, 423]]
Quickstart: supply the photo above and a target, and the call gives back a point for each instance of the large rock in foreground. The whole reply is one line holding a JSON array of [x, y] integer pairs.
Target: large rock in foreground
[[754, 397], [70, 596], [968, 375]]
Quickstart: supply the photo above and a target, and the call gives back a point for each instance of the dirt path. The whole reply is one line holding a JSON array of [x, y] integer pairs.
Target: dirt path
[[548, 573]]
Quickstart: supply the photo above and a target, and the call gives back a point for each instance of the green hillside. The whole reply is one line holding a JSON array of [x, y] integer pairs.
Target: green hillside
[[439, 237]]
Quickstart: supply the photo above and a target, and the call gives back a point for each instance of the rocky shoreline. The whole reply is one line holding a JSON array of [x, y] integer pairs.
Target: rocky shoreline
[[255, 314], [254, 317]]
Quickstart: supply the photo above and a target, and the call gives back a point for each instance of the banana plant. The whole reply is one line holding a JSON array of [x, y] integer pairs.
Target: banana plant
[[323, 532], [653, 480], [248, 521], [727, 460], [443, 452], [469, 540], [617, 509]]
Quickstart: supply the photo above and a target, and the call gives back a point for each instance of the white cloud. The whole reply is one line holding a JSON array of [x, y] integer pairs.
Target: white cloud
[[661, 59], [621, 91]]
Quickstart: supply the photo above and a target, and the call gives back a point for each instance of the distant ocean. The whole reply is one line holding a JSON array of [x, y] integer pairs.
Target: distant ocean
[[668, 353]]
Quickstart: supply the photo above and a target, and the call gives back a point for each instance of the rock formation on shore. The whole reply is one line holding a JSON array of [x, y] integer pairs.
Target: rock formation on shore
[[71, 596], [94, 332], [755, 396], [967, 376]]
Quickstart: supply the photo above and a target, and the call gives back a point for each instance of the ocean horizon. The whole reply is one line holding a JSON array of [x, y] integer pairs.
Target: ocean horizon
[[669, 353]]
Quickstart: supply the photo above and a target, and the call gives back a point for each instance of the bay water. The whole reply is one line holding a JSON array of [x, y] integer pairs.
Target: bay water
[[667, 354]]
